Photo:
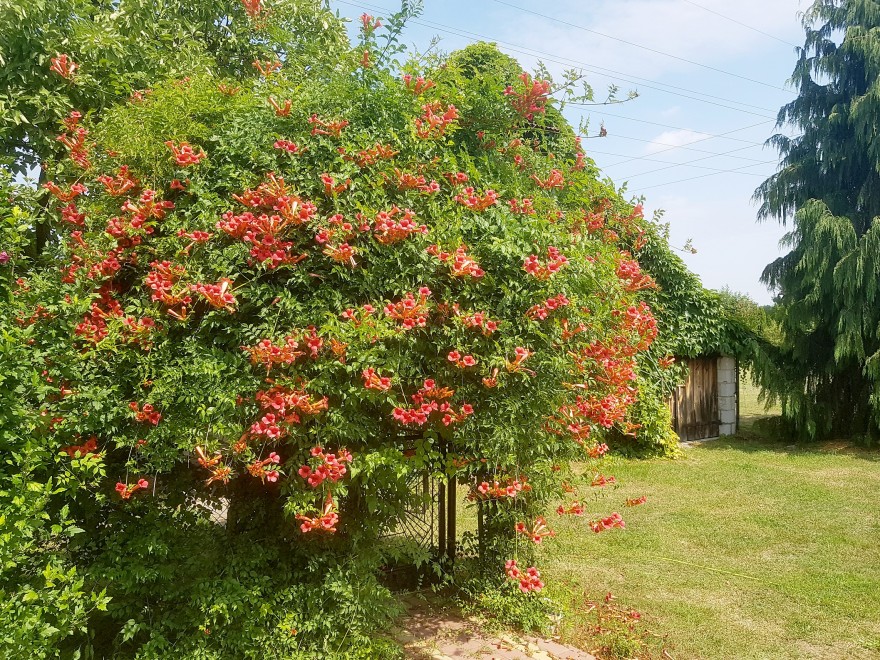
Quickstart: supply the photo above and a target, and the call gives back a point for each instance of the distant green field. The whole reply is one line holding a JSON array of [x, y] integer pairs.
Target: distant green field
[[750, 409]]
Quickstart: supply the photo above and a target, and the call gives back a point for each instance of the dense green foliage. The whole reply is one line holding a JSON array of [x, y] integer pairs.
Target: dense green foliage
[[827, 370], [119, 48], [274, 301]]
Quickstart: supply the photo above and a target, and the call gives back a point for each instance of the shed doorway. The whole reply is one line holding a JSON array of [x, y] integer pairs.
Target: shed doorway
[[695, 410]]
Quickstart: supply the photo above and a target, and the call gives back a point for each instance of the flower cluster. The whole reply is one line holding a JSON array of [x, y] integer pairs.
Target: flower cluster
[[332, 128], [537, 532], [367, 157], [524, 207], [217, 295], [601, 480], [125, 492], [352, 314], [479, 320], [528, 581], [93, 327], [286, 145], [68, 195], [64, 66], [263, 231], [462, 362], [373, 381], [553, 180], [630, 273], [432, 124], [85, 449], [637, 501], [266, 68], [330, 467], [331, 188], [639, 321], [430, 401], [325, 521], [258, 468], [521, 354], [219, 471], [612, 521], [531, 99], [410, 312], [284, 405], [280, 110], [369, 24], [147, 413], [469, 198], [555, 261], [267, 353], [184, 154], [74, 139], [417, 85], [408, 181], [540, 312], [460, 263], [573, 509], [510, 488], [388, 228], [119, 185]]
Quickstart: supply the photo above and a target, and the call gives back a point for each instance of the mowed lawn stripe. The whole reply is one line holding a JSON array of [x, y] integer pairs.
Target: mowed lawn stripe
[[744, 549]]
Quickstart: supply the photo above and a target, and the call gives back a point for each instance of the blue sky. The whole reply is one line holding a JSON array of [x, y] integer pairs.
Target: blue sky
[[709, 89]]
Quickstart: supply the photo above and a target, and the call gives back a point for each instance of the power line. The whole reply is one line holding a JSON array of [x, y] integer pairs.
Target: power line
[[689, 164], [681, 128], [733, 20], [675, 146], [685, 164], [694, 142], [566, 61], [635, 45], [695, 160], [748, 112], [701, 176]]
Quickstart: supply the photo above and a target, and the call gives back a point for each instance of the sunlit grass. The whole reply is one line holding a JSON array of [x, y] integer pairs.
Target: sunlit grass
[[743, 550]]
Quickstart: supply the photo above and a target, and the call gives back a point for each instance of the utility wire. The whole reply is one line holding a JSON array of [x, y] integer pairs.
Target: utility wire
[[693, 178], [647, 48], [733, 20], [566, 61], [618, 136], [695, 160], [709, 136], [685, 164], [703, 139]]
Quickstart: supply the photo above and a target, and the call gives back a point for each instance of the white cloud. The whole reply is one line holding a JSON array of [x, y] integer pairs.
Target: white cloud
[[673, 139]]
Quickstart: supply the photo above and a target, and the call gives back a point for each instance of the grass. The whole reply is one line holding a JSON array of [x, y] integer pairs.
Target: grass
[[746, 548], [743, 550], [750, 409]]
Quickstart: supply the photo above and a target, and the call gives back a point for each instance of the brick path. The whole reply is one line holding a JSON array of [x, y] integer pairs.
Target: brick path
[[435, 635]]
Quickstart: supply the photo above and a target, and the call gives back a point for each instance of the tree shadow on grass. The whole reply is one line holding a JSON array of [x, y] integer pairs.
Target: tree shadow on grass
[[756, 438]]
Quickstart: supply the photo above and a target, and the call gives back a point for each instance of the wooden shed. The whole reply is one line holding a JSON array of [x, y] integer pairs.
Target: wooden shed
[[706, 405]]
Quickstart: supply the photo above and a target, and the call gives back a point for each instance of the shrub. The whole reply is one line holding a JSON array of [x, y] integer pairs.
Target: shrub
[[273, 300]]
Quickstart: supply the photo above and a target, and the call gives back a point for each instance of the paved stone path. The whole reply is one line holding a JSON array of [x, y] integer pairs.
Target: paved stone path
[[428, 634]]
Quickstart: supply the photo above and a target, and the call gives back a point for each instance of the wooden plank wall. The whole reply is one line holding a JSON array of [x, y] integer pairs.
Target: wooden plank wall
[[694, 405]]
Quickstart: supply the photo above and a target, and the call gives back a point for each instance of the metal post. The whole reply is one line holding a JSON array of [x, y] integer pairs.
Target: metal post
[[450, 518], [441, 518]]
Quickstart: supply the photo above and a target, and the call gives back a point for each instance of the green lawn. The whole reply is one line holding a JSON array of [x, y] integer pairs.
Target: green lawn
[[744, 550]]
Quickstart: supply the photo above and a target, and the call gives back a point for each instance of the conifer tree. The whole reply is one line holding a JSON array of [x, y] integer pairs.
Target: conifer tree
[[827, 372]]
